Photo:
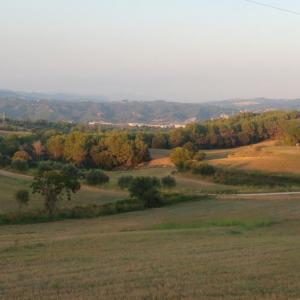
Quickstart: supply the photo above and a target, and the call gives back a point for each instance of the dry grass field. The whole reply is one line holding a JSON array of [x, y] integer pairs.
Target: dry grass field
[[213, 249], [265, 156], [17, 133]]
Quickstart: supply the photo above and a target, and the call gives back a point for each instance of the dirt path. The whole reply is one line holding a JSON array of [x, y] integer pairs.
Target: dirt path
[[14, 175]]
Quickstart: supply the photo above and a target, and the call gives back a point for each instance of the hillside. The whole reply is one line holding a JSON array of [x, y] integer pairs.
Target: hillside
[[60, 107]]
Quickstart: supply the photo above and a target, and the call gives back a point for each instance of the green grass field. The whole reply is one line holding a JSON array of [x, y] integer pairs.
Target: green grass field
[[88, 195], [187, 183], [213, 249]]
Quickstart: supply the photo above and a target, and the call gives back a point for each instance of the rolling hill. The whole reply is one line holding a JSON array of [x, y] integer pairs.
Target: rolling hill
[[61, 107]]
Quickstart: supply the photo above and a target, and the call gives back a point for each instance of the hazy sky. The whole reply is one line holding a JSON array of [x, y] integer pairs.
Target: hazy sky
[[188, 50]]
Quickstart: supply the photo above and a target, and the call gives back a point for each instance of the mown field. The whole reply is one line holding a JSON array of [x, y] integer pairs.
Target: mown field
[[212, 249], [265, 156]]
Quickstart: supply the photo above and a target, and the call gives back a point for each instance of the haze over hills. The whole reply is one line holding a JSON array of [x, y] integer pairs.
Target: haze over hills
[[72, 108]]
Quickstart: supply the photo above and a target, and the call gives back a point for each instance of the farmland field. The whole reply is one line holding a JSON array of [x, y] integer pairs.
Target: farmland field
[[227, 247], [262, 157], [213, 249]]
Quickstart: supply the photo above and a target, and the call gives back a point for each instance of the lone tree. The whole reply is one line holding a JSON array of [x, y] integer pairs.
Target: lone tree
[[55, 185], [146, 189], [96, 177], [179, 156], [22, 197]]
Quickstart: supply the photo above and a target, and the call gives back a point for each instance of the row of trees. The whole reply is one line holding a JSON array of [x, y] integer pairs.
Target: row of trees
[[242, 129], [107, 150]]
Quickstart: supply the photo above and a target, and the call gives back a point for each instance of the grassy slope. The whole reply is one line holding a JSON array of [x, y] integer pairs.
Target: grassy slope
[[263, 157], [88, 195], [206, 251]]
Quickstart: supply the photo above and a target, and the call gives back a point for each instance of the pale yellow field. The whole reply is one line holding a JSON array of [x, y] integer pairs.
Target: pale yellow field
[[263, 157]]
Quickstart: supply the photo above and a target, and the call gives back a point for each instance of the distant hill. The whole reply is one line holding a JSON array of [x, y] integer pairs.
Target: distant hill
[[61, 107]]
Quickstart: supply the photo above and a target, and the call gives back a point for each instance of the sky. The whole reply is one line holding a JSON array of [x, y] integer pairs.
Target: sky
[[180, 50]]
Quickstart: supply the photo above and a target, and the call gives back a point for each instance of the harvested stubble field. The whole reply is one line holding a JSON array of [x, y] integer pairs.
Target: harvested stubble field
[[212, 249], [262, 157]]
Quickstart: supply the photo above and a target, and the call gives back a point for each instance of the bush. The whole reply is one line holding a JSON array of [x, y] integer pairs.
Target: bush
[[4, 160], [22, 197], [19, 165], [21, 155], [124, 182], [199, 156], [203, 169], [168, 181], [241, 177], [44, 166], [96, 177]]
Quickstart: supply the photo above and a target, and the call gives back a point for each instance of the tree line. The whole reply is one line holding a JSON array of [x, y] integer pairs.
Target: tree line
[[240, 130], [106, 150]]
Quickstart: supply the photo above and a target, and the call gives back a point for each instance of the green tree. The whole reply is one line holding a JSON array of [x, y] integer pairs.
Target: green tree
[[54, 186], [22, 197], [146, 189], [96, 177], [103, 158], [179, 156], [159, 141]]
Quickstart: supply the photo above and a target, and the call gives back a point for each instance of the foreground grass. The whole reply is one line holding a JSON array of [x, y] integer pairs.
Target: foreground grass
[[118, 257]]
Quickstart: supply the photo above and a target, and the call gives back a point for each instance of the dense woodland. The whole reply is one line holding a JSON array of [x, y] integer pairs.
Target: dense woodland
[[106, 150]]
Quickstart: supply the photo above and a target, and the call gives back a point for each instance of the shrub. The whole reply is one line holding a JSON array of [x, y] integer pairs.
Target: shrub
[[19, 165], [199, 156], [241, 177], [168, 181], [44, 166], [21, 155], [4, 160], [124, 182], [146, 189], [22, 197], [203, 169], [96, 177]]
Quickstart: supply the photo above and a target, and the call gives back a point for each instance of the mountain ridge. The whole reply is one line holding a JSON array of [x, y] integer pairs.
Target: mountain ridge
[[72, 108]]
